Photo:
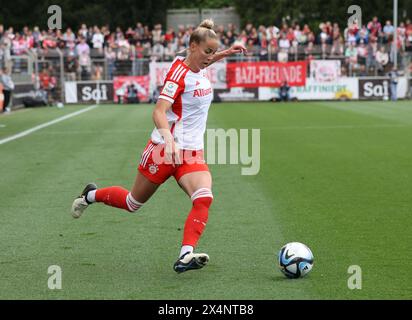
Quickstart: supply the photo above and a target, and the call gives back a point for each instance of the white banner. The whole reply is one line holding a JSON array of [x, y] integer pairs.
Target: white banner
[[70, 91], [216, 73], [341, 89], [325, 70]]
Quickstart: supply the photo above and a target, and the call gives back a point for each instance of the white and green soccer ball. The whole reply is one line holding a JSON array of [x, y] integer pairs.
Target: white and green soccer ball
[[295, 260]]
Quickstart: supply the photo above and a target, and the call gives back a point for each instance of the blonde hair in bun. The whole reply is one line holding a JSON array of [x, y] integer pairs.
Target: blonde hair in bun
[[203, 31], [207, 23]]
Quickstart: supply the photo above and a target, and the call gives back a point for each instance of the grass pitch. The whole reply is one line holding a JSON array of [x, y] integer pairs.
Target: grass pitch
[[335, 176]]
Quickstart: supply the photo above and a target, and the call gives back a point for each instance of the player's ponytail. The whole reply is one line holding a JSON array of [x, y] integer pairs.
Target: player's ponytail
[[203, 31]]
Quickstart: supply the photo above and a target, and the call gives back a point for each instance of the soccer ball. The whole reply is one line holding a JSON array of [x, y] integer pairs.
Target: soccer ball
[[295, 260]]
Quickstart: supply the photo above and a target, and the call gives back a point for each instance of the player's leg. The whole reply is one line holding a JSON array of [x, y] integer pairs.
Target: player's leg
[[121, 198], [146, 183], [198, 185], [116, 196]]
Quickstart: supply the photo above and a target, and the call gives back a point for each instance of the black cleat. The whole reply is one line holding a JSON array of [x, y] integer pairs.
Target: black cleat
[[90, 187], [191, 261], [80, 203]]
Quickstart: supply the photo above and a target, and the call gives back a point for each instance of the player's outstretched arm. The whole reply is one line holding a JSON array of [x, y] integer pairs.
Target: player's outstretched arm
[[236, 48]]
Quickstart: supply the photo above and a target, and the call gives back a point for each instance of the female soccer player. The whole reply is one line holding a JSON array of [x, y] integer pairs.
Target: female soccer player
[[176, 145]]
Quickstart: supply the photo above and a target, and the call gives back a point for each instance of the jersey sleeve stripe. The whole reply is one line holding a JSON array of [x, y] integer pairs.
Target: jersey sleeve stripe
[[177, 70], [166, 98], [179, 74], [175, 64]]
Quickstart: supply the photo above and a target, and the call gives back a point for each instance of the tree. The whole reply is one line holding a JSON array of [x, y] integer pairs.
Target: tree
[[124, 13], [315, 11]]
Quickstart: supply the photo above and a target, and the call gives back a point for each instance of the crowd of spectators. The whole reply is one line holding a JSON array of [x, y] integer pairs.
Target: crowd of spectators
[[361, 48]]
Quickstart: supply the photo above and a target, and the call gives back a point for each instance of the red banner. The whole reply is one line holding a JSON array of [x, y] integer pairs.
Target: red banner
[[123, 85], [265, 74]]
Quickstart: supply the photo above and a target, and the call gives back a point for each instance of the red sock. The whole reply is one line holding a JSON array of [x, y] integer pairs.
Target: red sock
[[196, 221], [113, 196]]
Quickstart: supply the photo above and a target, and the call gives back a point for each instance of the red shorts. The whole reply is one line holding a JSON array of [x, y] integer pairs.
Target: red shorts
[[154, 168]]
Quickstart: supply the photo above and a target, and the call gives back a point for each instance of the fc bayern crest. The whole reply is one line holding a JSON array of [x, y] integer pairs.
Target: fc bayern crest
[[153, 168]]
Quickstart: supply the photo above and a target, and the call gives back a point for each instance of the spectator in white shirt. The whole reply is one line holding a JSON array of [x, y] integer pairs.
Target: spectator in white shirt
[[169, 52], [157, 33], [8, 87], [284, 43], [83, 51], [124, 46], [158, 51], [382, 59], [362, 52], [98, 40], [83, 31]]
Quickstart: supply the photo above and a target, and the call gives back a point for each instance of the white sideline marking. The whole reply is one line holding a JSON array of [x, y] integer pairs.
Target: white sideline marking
[[44, 125], [53, 132]]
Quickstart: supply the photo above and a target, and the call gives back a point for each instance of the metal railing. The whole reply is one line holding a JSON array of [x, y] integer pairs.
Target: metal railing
[[62, 66], [22, 68]]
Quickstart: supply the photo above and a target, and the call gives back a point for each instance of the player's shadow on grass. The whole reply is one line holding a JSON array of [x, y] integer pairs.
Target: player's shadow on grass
[[278, 278], [281, 278]]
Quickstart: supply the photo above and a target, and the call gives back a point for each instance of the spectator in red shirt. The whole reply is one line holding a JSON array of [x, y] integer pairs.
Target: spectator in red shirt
[[48, 83], [169, 36], [290, 35], [19, 45], [375, 27], [263, 53], [130, 35], [253, 36], [48, 41], [139, 50], [329, 29], [408, 32]]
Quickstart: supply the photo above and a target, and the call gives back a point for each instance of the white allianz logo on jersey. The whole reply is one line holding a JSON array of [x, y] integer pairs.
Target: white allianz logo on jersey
[[170, 89]]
